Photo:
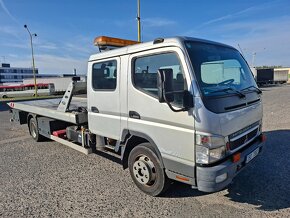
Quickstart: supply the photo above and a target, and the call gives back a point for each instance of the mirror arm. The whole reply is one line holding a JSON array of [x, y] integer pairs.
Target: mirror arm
[[172, 108]]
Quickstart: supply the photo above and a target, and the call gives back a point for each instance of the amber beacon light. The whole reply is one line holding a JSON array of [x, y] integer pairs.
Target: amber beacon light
[[115, 42]]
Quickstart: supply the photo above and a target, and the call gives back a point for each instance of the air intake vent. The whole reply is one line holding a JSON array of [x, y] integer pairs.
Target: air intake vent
[[241, 105]]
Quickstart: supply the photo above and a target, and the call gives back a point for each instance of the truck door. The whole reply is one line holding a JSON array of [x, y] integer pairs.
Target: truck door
[[104, 97], [172, 132]]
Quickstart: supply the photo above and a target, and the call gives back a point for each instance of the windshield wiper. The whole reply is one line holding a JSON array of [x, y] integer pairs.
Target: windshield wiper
[[241, 95], [255, 89]]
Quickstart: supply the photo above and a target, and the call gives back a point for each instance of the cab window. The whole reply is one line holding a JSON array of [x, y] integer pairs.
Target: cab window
[[104, 75], [145, 74]]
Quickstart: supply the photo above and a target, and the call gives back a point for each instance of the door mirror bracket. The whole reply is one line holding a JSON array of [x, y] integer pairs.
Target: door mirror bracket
[[166, 91]]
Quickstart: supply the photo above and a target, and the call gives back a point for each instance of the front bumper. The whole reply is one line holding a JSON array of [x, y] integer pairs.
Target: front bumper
[[206, 176]]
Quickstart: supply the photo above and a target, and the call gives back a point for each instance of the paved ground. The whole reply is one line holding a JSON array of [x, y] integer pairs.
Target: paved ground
[[48, 179]]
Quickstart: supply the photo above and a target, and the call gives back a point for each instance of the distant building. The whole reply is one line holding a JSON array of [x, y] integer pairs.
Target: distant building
[[10, 74], [283, 69]]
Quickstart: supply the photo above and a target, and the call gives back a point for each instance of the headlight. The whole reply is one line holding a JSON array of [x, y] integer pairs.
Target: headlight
[[209, 149]]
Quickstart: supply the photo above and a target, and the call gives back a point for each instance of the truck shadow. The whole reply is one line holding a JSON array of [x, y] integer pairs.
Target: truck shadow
[[108, 156], [264, 184], [180, 190]]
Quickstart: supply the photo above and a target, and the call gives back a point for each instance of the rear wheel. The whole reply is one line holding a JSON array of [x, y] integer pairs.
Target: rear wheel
[[33, 129], [146, 170]]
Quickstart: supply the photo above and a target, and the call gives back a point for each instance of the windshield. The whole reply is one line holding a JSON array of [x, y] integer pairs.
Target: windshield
[[220, 70]]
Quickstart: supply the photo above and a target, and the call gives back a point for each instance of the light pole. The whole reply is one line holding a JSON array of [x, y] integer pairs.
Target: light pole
[[33, 64], [138, 21], [254, 56]]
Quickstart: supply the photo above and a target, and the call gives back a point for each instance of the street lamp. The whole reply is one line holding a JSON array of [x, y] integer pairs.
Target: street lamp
[[254, 56], [33, 64]]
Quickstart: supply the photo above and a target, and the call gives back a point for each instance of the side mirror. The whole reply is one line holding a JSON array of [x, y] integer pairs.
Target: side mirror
[[165, 85]]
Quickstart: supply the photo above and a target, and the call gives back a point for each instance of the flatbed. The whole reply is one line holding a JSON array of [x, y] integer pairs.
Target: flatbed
[[76, 114]]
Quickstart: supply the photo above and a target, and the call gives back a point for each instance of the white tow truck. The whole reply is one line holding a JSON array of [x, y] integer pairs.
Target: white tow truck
[[179, 108]]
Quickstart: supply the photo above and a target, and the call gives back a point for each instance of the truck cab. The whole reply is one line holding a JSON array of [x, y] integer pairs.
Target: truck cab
[[179, 108]]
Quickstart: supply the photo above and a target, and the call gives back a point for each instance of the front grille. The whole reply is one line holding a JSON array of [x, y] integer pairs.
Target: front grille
[[243, 139]]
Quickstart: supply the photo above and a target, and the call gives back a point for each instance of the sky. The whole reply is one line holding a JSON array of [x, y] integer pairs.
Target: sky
[[66, 29]]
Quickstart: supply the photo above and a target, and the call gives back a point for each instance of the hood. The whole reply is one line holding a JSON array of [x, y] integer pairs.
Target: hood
[[225, 123]]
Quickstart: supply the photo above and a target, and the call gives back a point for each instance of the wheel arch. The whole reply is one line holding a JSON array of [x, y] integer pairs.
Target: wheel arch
[[133, 138]]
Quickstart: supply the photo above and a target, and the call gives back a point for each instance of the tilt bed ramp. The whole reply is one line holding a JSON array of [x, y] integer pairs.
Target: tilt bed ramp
[[53, 115]]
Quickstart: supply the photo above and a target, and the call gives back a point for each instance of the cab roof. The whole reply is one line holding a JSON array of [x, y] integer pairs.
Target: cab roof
[[177, 41]]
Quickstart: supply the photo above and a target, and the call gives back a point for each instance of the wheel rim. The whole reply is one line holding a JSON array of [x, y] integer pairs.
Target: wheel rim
[[33, 130], [144, 170]]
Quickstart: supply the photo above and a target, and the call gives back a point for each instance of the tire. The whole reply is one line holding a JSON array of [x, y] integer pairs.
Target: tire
[[33, 130], [4, 96], [146, 170]]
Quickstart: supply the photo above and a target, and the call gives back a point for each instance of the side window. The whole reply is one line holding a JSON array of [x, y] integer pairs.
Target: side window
[[104, 75], [145, 74]]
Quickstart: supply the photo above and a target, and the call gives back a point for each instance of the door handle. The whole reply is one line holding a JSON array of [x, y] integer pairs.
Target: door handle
[[134, 115], [95, 110]]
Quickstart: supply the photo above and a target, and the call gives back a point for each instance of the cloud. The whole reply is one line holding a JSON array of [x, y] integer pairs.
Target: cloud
[[25, 44], [269, 39], [148, 22], [54, 64], [47, 46], [58, 64], [77, 48], [51, 57], [13, 55], [157, 22], [233, 15], [253, 9], [2, 5], [9, 30], [16, 45], [217, 20]]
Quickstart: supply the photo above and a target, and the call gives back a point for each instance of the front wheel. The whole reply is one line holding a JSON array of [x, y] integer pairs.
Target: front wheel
[[146, 170]]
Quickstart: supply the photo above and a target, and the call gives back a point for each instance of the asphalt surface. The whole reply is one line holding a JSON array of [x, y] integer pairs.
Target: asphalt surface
[[48, 179]]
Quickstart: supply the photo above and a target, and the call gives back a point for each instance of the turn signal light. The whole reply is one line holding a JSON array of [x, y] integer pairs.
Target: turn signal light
[[236, 157], [182, 178], [263, 137]]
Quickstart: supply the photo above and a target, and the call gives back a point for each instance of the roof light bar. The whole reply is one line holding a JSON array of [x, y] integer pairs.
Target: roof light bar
[[102, 41]]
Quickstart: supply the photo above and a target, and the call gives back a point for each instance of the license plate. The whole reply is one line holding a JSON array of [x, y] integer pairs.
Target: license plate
[[252, 155]]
